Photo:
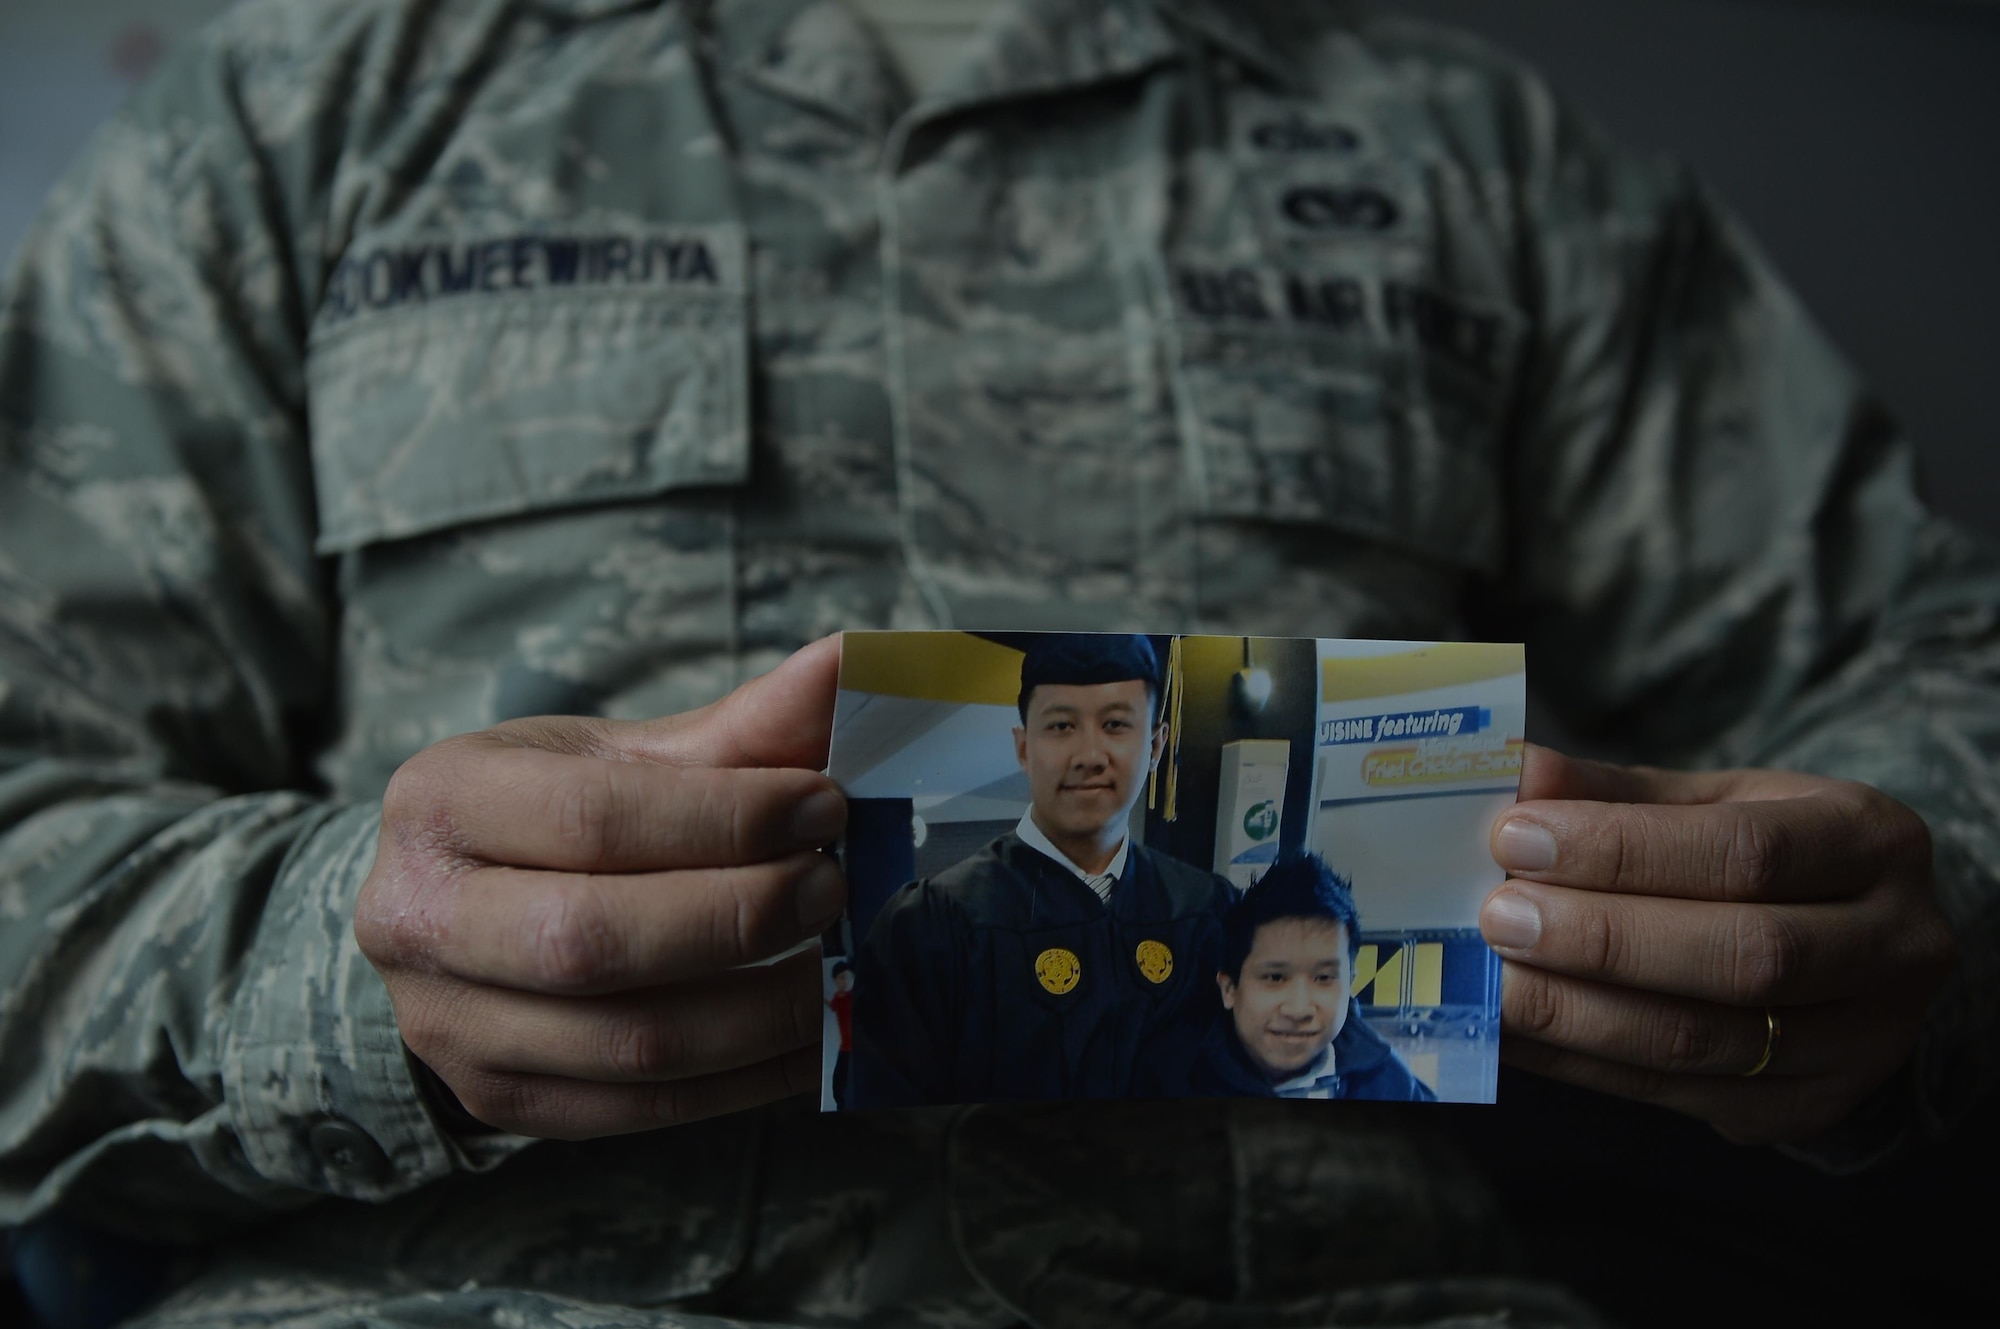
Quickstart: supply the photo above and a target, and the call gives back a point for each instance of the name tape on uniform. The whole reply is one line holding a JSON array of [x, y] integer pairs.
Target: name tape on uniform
[[396, 276]]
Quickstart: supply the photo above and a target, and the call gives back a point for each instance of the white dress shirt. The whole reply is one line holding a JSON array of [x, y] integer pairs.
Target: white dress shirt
[[1101, 882], [1316, 1081]]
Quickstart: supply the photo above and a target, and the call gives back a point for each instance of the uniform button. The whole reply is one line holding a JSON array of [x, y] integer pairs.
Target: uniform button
[[345, 1150]]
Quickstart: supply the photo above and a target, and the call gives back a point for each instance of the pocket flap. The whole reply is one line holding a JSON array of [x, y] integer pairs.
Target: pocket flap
[[1297, 427], [481, 408]]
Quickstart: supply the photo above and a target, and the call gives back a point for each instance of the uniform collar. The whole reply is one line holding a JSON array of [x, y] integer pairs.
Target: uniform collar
[[748, 39], [1032, 47], [1028, 48], [810, 51], [592, 8], [1025, 48], [1083, 40], [1048, 45]]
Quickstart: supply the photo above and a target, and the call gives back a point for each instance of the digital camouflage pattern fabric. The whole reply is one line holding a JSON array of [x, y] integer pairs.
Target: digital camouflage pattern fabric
[[389, 369]]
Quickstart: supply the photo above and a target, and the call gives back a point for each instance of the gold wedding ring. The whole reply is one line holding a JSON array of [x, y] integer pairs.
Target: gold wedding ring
[[1771, 1031]]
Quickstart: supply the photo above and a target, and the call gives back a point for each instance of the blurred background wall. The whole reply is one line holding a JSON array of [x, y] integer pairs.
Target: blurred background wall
[[1856, 137], [64, 66]]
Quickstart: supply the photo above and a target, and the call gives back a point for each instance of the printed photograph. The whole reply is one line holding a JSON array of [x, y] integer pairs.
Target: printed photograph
[[1104, 865]]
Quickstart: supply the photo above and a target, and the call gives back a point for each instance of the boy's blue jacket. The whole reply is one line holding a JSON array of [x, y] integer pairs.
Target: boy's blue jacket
[[1366, 1065]]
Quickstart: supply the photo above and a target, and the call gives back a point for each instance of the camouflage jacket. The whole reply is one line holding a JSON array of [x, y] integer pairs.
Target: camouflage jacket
[[390, 368]]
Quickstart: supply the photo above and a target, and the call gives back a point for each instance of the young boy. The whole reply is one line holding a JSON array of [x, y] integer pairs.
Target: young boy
[[1289, 1028]]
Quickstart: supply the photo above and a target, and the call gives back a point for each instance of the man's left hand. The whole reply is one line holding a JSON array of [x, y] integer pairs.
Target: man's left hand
[[1664, 930]]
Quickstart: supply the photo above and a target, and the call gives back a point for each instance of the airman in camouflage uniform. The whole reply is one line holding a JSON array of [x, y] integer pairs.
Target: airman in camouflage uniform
[[389, 370]]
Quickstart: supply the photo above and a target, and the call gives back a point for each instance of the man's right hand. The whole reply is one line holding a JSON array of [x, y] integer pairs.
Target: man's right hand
[[563, 908]]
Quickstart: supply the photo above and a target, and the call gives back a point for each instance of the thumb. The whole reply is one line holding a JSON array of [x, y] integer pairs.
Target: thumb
[[783, 718]]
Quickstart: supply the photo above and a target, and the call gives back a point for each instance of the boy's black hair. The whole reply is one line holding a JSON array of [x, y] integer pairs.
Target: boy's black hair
[[841, 967], [1091, 657], [1296, 886]]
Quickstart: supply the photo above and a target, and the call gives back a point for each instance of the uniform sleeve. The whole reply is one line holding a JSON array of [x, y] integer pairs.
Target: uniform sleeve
[[906, 1000], [188, 1035], [1722, 559]]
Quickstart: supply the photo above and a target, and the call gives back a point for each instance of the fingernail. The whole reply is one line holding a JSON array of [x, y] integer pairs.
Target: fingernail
[[1525, 846], [1510, 920], [818, 819], [820, 896]]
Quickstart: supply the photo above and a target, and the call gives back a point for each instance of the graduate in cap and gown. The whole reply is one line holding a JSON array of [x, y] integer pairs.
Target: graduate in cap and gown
[[1062, 960]]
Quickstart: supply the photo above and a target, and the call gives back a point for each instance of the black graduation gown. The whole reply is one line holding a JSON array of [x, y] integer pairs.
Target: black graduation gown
[[963, 994]]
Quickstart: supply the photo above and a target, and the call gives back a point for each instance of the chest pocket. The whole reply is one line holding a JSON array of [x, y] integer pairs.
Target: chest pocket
[[1385, 427], [480, 387]]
